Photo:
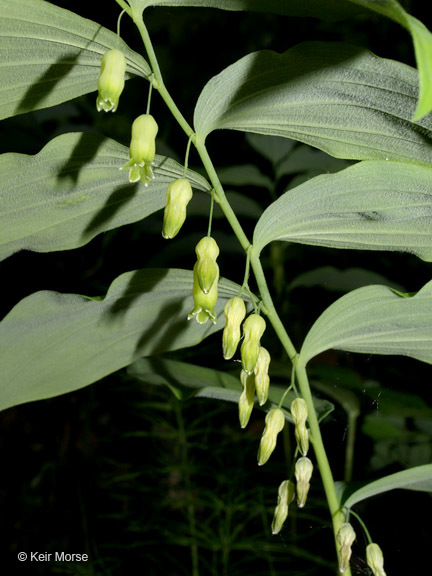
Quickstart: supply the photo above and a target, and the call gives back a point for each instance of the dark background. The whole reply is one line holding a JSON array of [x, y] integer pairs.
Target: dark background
[[113, 470]]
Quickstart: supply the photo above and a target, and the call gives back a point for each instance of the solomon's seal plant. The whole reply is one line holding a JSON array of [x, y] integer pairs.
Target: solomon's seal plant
[[346, 138]]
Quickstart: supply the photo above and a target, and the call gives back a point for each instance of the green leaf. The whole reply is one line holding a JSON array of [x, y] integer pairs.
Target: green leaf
[[330, 10], [188, 380], [375, 320], [369, 206], [422, 39], [49, 55], [418, 478], [53, 343], [336, 97], [331, 278], [73, 190], [244, 175]]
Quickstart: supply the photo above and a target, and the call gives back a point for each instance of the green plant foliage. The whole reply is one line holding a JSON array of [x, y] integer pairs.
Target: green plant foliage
[[336, 97], [73, 190], [50, 55], [375, 320], [369, 206], [417, 478], [66, 341], [188, 380], [422, 39]]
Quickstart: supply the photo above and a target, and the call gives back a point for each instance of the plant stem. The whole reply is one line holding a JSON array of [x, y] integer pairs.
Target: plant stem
[[255, 262]]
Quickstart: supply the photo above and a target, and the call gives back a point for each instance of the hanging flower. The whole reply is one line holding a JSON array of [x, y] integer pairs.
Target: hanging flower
[[235, 311], [375, 559], [253, 329], [207, 251], [204, 304], [142, 149], [345, 538], [262, 379], [179, 194], [303, 473], [286, 493], [246, 400], [274, 423], [299, 413], [111, 80]]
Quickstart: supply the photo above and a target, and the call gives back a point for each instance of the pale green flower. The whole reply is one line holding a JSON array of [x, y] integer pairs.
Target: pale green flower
[[142, 149], [303, 472], [262, 379], [235, 311], [246, 400], [375, 559], [286, 494], [345, 538], [253, 329], [179, 194], [204, 304], [111, 80], [274, 423], [207, 251]]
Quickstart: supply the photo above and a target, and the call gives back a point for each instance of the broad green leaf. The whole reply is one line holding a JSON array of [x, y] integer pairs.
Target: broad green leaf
[[369, 206], [422, 39], [330, 10], [375, 320], [49, 55], [187, 380], [330, 278], [418, 478], [73, 190], [53, 343], [244, 175], [336, 97]]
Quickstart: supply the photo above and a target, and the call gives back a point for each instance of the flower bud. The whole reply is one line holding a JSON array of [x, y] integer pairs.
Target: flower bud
[[207, 251], [111, 80], [253, 329], [246, 400], [142, 149], [179, 194], [262, 379], [285, 497], [303, 473], [375, 559], [345, 538], [274, 423], [204, 304], [299, 413], [235, 311]]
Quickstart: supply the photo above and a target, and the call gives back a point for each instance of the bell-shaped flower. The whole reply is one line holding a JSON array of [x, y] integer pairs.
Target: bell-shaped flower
[[235, 311], [345, 538], [299, 413], [262, 379], [179, 194], [303, 472], [207, 251], [246, 400], [286, 493], [253, 329], [375, 559], [111, 80], [142, 149], [274, 423], [204, 304]]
